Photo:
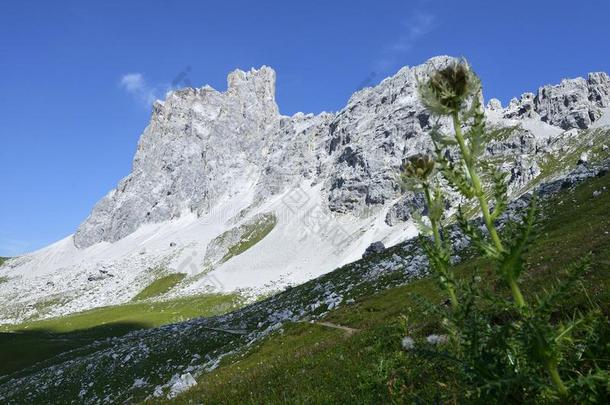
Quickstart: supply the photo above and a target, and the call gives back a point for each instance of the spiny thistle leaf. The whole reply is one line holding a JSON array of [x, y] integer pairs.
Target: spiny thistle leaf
[[500, 189], [438, 138], [476, 236], [511, 262], [440, 262], [476, 134], [408, 184], [439, 259], [423, 228], [456, 175], [437, 205]]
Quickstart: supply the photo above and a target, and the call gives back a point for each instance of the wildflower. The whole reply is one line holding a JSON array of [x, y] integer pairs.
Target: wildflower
[[436, 339], [418, 167], [408, 343], [446, 90]]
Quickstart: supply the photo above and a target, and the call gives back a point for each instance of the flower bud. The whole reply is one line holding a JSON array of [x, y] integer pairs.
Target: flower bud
[[418, 167], [447, 89]]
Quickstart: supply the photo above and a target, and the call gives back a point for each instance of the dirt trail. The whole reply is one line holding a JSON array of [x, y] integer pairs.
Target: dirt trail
[[349, 331], [230, 331], [346, 329]]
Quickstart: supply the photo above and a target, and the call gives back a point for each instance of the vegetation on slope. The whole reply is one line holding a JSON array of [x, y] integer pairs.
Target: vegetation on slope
[[252, 234], [589, 142], [160, 286], [236, 241], [108, 368], [315, 364], [28, 343]]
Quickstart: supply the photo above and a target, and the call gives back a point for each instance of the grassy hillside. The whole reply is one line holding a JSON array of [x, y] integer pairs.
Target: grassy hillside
[[28, 343], [253, 233], [314, 363], [262, 353], [160, 286]]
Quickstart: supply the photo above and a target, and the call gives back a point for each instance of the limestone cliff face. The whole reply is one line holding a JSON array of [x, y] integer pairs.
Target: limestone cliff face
[[202, 146], [181, 162]]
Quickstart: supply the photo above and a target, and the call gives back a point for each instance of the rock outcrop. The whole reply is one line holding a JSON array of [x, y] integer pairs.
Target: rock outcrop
[[375, 247], [574, 103]]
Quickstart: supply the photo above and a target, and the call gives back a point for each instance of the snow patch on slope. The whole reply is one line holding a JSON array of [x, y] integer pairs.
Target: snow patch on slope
[[307, 241]]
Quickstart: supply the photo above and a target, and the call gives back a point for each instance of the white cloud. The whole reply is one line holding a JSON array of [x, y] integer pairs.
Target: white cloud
[[135, 84], [417, 26]]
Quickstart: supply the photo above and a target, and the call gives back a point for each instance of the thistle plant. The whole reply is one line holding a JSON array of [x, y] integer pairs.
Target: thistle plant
[[417, 174], [447, 92], [525, 352]]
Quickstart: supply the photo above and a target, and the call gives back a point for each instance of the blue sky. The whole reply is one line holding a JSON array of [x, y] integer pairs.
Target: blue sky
[[76, 78]]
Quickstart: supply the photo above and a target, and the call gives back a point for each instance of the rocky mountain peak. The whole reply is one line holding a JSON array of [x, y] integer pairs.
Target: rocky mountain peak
[[258, 80], [201, 143], [198, 143], [258, 83]]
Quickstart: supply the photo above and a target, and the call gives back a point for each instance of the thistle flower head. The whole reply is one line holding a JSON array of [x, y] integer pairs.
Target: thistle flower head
[[445, 90], [407, 343], [418, 167], [437, 339]]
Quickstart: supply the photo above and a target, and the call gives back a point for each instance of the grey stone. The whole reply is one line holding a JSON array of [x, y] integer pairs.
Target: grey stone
[[403, 210], [375, 247]]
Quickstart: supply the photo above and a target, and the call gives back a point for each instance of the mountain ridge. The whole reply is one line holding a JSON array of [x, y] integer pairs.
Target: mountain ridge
[[574, 103]]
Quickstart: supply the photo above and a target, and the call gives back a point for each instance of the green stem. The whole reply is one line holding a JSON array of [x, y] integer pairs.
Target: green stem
[[554, 372], [435, 230], [516, 291], [480, 195], [452, 295], [439, 247], [476, 183]]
